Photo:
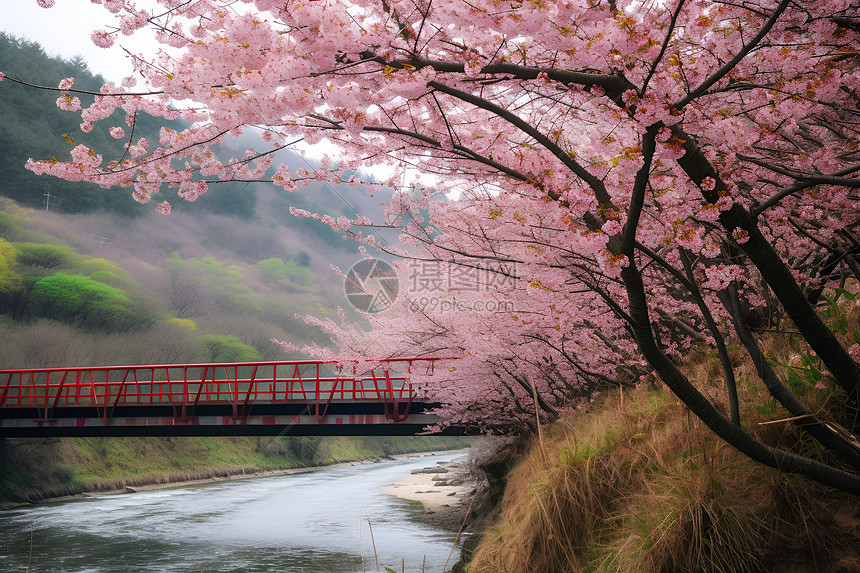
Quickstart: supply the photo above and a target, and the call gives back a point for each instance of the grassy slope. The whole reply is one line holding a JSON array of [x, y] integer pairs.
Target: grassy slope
[[36, 469], [639, 485]]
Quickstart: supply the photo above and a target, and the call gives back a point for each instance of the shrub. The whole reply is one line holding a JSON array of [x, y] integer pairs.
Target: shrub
[[275, 270], [81, 301], [44, 256], [227, 348]]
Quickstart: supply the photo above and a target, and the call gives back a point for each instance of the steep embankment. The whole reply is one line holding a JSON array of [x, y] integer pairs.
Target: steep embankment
[[38, 469], [637, 484]]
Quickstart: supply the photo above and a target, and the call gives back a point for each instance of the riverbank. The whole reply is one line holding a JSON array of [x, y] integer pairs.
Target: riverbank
[[33, 471], [636, 483], [435, 505], [446, 491]]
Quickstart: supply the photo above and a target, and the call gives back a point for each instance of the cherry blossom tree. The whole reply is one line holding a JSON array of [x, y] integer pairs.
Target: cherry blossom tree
[[626, 179]]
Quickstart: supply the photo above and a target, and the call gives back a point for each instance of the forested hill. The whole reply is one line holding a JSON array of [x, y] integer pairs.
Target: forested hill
[[31, 126], [117, 282]]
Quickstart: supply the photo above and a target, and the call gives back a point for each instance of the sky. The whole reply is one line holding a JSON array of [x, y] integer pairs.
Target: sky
[[65, 29]]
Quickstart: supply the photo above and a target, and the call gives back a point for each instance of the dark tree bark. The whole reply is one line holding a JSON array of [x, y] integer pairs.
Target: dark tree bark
[[680, 385]]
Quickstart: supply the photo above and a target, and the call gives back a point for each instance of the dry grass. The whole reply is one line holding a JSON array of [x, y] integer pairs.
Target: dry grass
[[639, 485]]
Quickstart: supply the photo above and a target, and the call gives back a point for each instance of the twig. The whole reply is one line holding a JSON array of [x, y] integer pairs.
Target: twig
[[460, 532], [30, 556], [361, 541], [802, 416], [375, 556]]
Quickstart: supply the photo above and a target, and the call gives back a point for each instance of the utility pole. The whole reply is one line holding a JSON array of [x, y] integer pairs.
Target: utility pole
[[47, 197]]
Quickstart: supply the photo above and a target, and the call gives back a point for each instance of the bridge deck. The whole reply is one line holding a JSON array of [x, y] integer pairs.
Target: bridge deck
[[300, 397]]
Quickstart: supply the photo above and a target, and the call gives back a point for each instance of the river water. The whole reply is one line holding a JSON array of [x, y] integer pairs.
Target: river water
[[299, 523]]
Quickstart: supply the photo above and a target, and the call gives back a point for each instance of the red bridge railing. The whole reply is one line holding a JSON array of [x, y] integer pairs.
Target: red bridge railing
[[186, 386]]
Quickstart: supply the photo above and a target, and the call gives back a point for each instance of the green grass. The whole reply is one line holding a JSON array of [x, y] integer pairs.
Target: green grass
[[35, 469]]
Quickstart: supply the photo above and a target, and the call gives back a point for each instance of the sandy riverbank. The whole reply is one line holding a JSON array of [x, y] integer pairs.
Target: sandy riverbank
[[445, 490]]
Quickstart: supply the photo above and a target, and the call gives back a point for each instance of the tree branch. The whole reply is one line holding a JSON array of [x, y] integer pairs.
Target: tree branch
[[806, 419], [594, 182], [729, 66]]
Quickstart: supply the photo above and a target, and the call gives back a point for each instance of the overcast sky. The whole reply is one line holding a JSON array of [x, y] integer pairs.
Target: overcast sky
[[65, 29]]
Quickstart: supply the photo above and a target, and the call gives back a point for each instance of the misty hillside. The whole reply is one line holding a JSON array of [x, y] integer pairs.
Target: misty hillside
[[93, 278]]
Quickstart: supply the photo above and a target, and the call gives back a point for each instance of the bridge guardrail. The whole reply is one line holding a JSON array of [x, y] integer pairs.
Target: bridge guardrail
[[186, 386]]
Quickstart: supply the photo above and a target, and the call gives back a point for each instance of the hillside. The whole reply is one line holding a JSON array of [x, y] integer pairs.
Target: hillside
[[31, 125], [153, 288], [635, 483]]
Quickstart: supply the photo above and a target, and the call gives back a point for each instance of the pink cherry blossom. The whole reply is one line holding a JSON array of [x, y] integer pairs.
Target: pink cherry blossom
[[69, 103], [603, 175], [102, 38]]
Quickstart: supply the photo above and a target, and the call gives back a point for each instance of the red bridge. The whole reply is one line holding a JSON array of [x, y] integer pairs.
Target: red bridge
[[248, 398]]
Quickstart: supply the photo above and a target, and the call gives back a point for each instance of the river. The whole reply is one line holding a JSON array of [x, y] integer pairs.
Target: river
[[298, 523]]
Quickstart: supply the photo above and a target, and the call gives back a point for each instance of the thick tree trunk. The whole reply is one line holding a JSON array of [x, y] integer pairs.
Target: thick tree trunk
[[803, 416], [701, 407], [776, 274]]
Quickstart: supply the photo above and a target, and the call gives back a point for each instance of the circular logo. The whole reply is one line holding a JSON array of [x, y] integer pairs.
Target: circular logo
[[371, 285]]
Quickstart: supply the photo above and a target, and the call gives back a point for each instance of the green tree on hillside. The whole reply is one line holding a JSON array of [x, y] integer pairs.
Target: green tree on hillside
[[41, 258], [82, 301], [303, 259], [275, 270], [10, 281], [221, 284], [227, 348]]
